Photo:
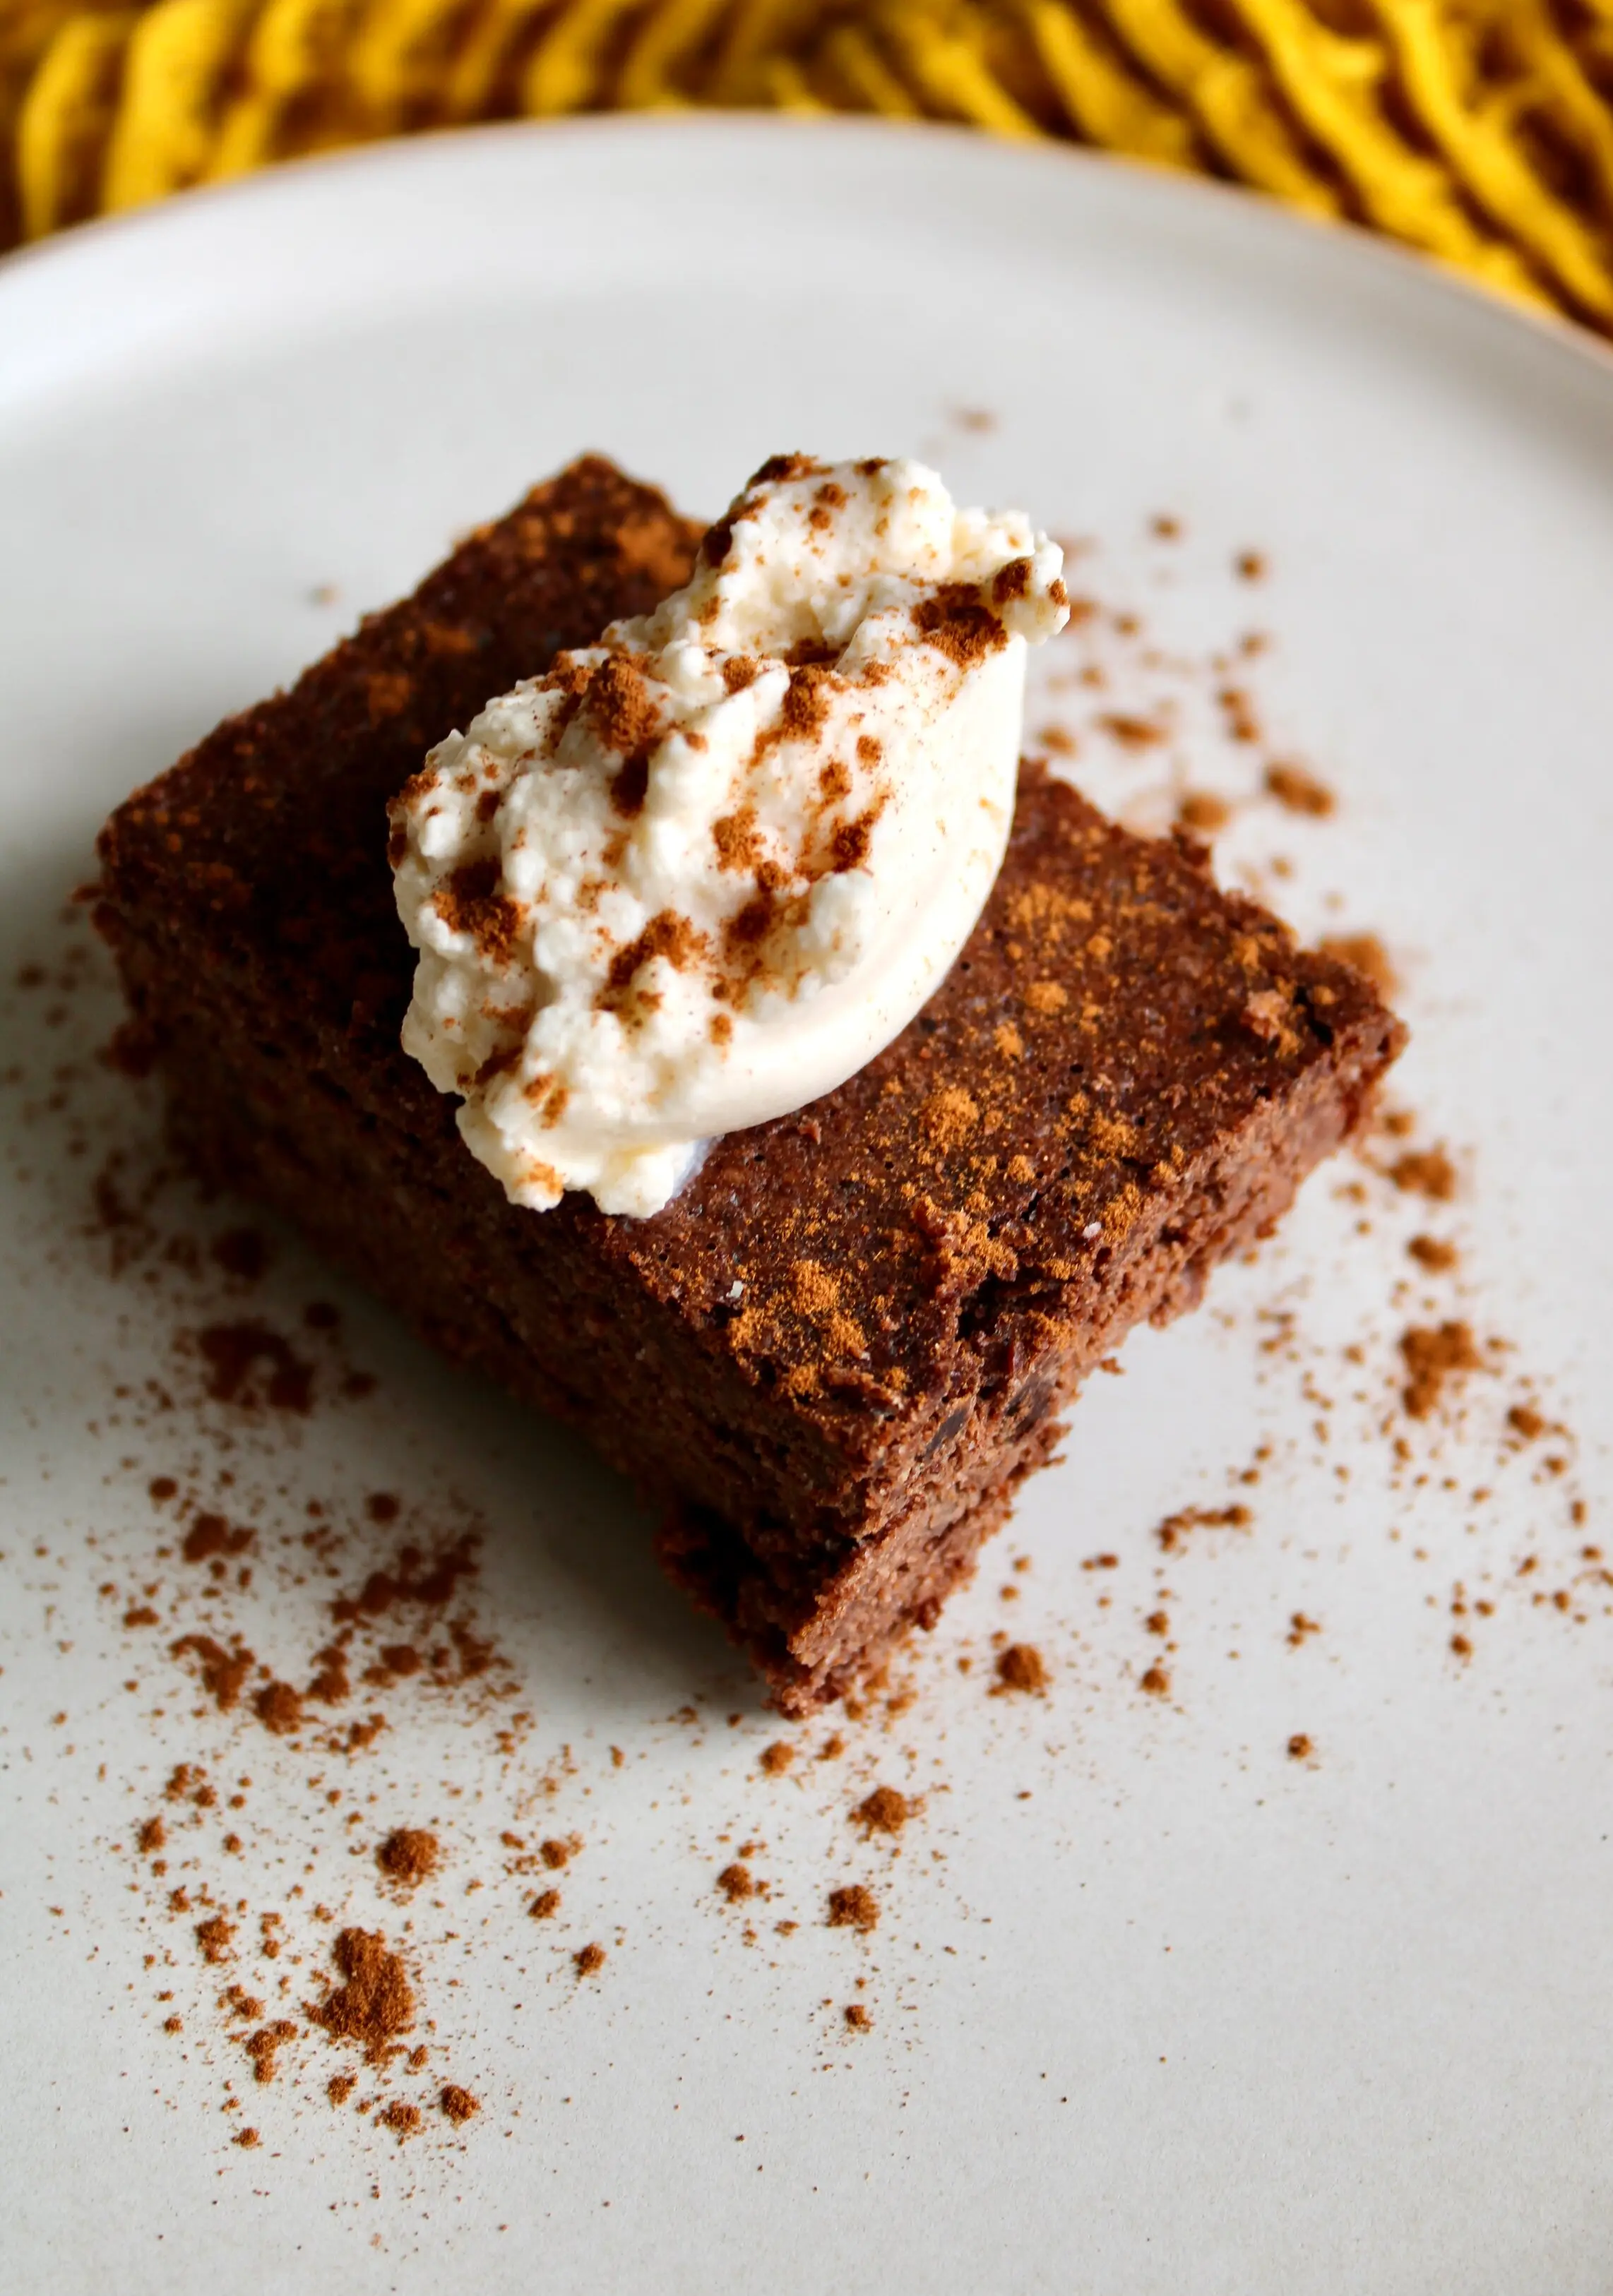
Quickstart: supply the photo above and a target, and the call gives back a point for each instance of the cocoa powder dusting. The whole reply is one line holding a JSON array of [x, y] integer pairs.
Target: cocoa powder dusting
[[1434, 1355], [1299, 790], [1368, 954], [374, 2003], [264, 2045], [409, 1855], [1425, 1172], [279, 1708], [883, 1811], [251, 1364], [1432, 1253], [1022, 1670], [854, 1908]]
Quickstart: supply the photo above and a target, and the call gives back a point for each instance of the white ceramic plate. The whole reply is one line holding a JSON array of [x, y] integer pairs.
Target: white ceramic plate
[[1154, 2005]]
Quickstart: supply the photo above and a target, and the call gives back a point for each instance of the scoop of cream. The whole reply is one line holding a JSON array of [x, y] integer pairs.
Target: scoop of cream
[[699, 873]]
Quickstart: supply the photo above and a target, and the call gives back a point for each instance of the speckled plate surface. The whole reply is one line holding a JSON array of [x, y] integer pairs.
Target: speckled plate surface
[[1266, 1948]]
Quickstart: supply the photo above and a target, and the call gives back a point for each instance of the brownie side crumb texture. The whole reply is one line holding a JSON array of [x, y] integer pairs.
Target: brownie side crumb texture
[[831, 1360]]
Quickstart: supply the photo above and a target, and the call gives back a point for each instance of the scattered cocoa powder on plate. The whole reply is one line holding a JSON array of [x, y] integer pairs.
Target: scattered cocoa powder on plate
[[853, 1907], [279, 1708], [1368, 954], [1022, 1669], [215, 1936], [234, 1354], [375, 2003], [1202, 811], [885, 1810], [263, 2046], [1432, 1253], [1425, 1172], [1435, 1354], [409, 1855], [1299, 790]]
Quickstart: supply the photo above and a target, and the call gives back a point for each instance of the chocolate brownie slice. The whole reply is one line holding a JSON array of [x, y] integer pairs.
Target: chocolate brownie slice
[[829, 1362]]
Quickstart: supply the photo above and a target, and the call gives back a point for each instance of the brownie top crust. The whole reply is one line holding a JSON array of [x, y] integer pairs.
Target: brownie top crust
[[1114, 1027], [1113, 1023], [267, 844]]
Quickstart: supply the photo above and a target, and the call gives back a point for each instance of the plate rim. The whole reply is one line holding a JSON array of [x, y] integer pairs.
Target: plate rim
[[1254, 214]]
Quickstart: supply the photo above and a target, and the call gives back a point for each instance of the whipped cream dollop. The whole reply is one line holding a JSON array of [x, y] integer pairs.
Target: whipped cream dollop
[[699, 873]]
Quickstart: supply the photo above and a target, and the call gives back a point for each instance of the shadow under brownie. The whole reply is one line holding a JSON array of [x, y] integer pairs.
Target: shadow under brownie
[[830, 1361]]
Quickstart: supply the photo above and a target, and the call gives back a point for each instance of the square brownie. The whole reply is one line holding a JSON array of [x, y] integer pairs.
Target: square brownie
[[830, 1360]]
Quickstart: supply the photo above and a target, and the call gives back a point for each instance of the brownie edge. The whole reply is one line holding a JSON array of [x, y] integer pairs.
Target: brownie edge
[[830, 1361]]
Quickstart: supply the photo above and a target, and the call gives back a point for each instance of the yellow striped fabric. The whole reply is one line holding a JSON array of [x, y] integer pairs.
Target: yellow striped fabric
[[1478, 131]]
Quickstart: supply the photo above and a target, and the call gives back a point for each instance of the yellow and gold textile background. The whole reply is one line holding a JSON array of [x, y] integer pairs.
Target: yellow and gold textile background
[[1480, 131]]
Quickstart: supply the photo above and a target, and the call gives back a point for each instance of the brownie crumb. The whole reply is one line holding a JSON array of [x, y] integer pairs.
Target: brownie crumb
[[854, 1908], [1020, 1669]]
